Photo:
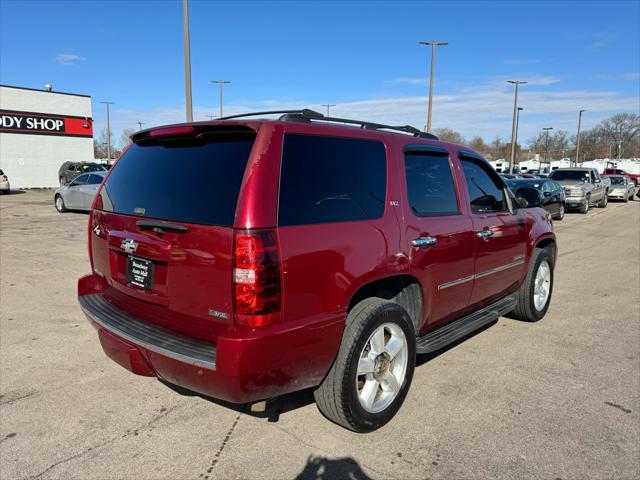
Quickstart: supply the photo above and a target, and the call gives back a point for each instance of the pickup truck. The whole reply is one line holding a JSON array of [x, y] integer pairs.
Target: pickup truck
[[617, 171], [583, 187]]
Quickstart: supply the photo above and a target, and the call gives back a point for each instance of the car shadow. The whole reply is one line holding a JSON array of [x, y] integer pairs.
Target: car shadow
[[421, 359], [322, 468], [271, 409], [14, 192]]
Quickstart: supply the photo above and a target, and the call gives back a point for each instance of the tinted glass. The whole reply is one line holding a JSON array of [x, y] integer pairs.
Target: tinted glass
[[329, 179], [184, 181], [570, 175], [92, 167], [430, 185], [1, 172], [486, 195], [618, 181], [95, 179], [80, 180]]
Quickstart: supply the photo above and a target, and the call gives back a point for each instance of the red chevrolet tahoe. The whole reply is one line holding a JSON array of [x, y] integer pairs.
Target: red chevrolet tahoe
[[247, 259]]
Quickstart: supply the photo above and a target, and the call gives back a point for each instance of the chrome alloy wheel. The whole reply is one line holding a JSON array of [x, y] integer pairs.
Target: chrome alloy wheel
[[542, 285], [382, 366], [59, 204]]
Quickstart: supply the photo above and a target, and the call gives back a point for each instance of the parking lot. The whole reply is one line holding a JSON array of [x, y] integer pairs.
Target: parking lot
[[556, 399]]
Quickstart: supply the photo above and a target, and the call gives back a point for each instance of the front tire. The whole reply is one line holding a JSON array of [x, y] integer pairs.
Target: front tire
[[560, 215], [59, 204], [534, 295], [372, 373], [585, 208]]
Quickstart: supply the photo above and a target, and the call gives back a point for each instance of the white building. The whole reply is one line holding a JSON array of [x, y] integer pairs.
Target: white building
[[39, 130]]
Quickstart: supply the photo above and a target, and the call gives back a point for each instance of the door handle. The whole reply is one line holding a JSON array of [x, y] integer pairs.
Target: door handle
[[422, 242], [485, 234]]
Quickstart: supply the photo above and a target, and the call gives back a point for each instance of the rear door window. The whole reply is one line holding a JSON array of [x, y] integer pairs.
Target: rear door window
[[80, 180], [94, 180], [188, 181], [331, 179], [430, 185]]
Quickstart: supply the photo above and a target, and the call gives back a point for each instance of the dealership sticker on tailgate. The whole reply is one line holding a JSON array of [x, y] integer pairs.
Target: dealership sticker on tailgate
[[140, 272]]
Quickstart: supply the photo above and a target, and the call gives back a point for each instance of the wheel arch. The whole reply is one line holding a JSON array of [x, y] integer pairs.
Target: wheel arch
[[405, 290], [550, 244]]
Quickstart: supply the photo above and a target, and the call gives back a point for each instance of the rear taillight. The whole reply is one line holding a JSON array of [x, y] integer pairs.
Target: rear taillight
[[257, 277], [5, 178]]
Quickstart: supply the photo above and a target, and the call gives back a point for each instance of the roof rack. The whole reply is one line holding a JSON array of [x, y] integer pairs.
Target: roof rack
[[308, 115]]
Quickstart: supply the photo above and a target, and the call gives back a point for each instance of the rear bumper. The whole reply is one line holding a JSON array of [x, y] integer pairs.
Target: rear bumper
[[4, 186], [245, 365]]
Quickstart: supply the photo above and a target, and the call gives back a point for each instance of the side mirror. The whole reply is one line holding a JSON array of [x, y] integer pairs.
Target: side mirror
[[528, 197]]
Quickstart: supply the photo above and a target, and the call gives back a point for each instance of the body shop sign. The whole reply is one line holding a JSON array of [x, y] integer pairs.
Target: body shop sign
[[45, 124]]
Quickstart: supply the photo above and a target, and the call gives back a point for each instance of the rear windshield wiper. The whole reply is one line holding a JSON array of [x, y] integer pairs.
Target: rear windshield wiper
[[161, 227]]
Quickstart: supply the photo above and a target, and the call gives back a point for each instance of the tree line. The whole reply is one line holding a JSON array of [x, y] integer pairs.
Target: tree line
[[615, 137]]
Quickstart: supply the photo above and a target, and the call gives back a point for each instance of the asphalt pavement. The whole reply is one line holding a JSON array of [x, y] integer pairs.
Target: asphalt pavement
[[558, 399]]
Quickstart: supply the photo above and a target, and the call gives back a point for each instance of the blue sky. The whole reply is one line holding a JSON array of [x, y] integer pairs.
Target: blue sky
[[362, 56]]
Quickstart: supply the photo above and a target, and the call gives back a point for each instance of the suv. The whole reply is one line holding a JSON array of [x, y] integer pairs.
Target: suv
[[299, 253], [5, 187], [70, 170]]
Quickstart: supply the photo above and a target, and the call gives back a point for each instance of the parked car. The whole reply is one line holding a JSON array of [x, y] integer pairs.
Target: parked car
[[5, 187], [622, 188], [70, 170], [617, 171], [267, 268], [583, 187], [79, 194], [508, 176], [552, 195]]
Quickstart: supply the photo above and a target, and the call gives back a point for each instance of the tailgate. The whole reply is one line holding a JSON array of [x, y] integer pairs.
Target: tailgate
[[161, 232]]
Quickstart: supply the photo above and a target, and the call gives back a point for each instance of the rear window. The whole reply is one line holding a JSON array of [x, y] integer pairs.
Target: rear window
[[331, 179], [92, 167], [185, 181]]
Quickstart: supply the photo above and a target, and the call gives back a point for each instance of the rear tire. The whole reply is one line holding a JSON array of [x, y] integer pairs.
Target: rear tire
[[604, 200], [364, 365], [59, 204], [534, 295]]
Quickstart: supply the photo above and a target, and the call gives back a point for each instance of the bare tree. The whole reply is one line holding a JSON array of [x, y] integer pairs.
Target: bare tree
[[556, 145], [448, 135], [124, 137], [621, 130]]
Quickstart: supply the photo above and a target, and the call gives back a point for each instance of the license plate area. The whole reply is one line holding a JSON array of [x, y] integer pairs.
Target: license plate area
[[140, 272]]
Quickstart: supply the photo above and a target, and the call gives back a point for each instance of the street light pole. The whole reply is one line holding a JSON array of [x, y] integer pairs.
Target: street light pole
[[328, 105], [518, 123], [546, 145], [140, 125], [187, 61], [433, 44], [220, 82], [513, 125], [107, 103], [578, 137]]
